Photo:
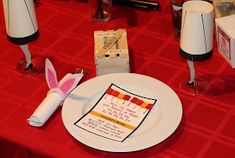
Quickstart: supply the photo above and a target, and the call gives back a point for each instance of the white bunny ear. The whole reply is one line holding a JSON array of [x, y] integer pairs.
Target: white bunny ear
[[50, 73], [69, 82]]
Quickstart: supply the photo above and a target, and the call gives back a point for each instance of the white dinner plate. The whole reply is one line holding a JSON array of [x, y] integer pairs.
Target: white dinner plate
[[160, 123]]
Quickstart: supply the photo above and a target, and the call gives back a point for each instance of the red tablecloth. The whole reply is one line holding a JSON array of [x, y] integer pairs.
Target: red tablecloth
[[66, 36]]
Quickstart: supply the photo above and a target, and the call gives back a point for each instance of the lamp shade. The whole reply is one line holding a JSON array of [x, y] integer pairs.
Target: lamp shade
[[20, 21], [196, 39]]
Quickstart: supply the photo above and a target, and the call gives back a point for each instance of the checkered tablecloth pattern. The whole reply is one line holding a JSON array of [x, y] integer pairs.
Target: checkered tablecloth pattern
[[207, 129]]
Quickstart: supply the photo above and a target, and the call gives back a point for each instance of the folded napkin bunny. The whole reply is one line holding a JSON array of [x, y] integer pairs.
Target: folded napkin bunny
[[55, 96]]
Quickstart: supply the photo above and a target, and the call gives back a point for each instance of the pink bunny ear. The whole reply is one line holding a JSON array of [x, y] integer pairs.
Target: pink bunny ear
[[50, 73], [69, 82]]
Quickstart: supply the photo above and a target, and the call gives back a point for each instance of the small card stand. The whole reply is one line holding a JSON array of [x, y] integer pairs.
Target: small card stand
[[111, 52]]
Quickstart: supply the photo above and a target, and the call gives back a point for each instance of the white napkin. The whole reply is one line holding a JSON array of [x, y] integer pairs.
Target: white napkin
[[56, 95], [45, 109]]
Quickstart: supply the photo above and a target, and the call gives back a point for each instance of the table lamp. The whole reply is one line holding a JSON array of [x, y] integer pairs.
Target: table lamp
[[21, 27], [196, 39]]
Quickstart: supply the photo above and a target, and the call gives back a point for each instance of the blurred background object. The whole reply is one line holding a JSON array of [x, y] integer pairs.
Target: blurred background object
[[101, 10], [177, 14], [144, 4], [224, 7]]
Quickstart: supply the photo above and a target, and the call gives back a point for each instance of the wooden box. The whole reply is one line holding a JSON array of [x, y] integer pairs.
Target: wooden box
[[111, 52]]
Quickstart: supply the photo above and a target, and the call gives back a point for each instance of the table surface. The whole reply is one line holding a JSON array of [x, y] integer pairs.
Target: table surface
[[207, 129]]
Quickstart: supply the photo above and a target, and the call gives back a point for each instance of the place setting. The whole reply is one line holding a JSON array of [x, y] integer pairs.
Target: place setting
[[116, 110]]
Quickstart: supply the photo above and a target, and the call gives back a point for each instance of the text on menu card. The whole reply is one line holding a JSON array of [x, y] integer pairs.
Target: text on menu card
[[117, 114]]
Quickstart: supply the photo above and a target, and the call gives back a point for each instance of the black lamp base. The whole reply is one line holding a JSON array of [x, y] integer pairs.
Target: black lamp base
[[23, 40], [200, 57]]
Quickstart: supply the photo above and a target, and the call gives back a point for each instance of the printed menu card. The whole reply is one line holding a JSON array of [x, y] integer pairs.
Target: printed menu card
[[117, 114]]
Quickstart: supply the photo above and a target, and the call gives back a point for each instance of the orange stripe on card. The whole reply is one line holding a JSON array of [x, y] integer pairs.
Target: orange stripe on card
[[144, 105], [112, 120], [120, 96]]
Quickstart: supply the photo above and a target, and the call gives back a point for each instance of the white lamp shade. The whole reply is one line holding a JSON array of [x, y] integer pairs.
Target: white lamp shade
[[196, 40], [20, 20]]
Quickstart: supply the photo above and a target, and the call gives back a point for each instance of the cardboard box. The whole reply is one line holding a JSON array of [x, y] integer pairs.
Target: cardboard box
[[111, 52], [225, 34]]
